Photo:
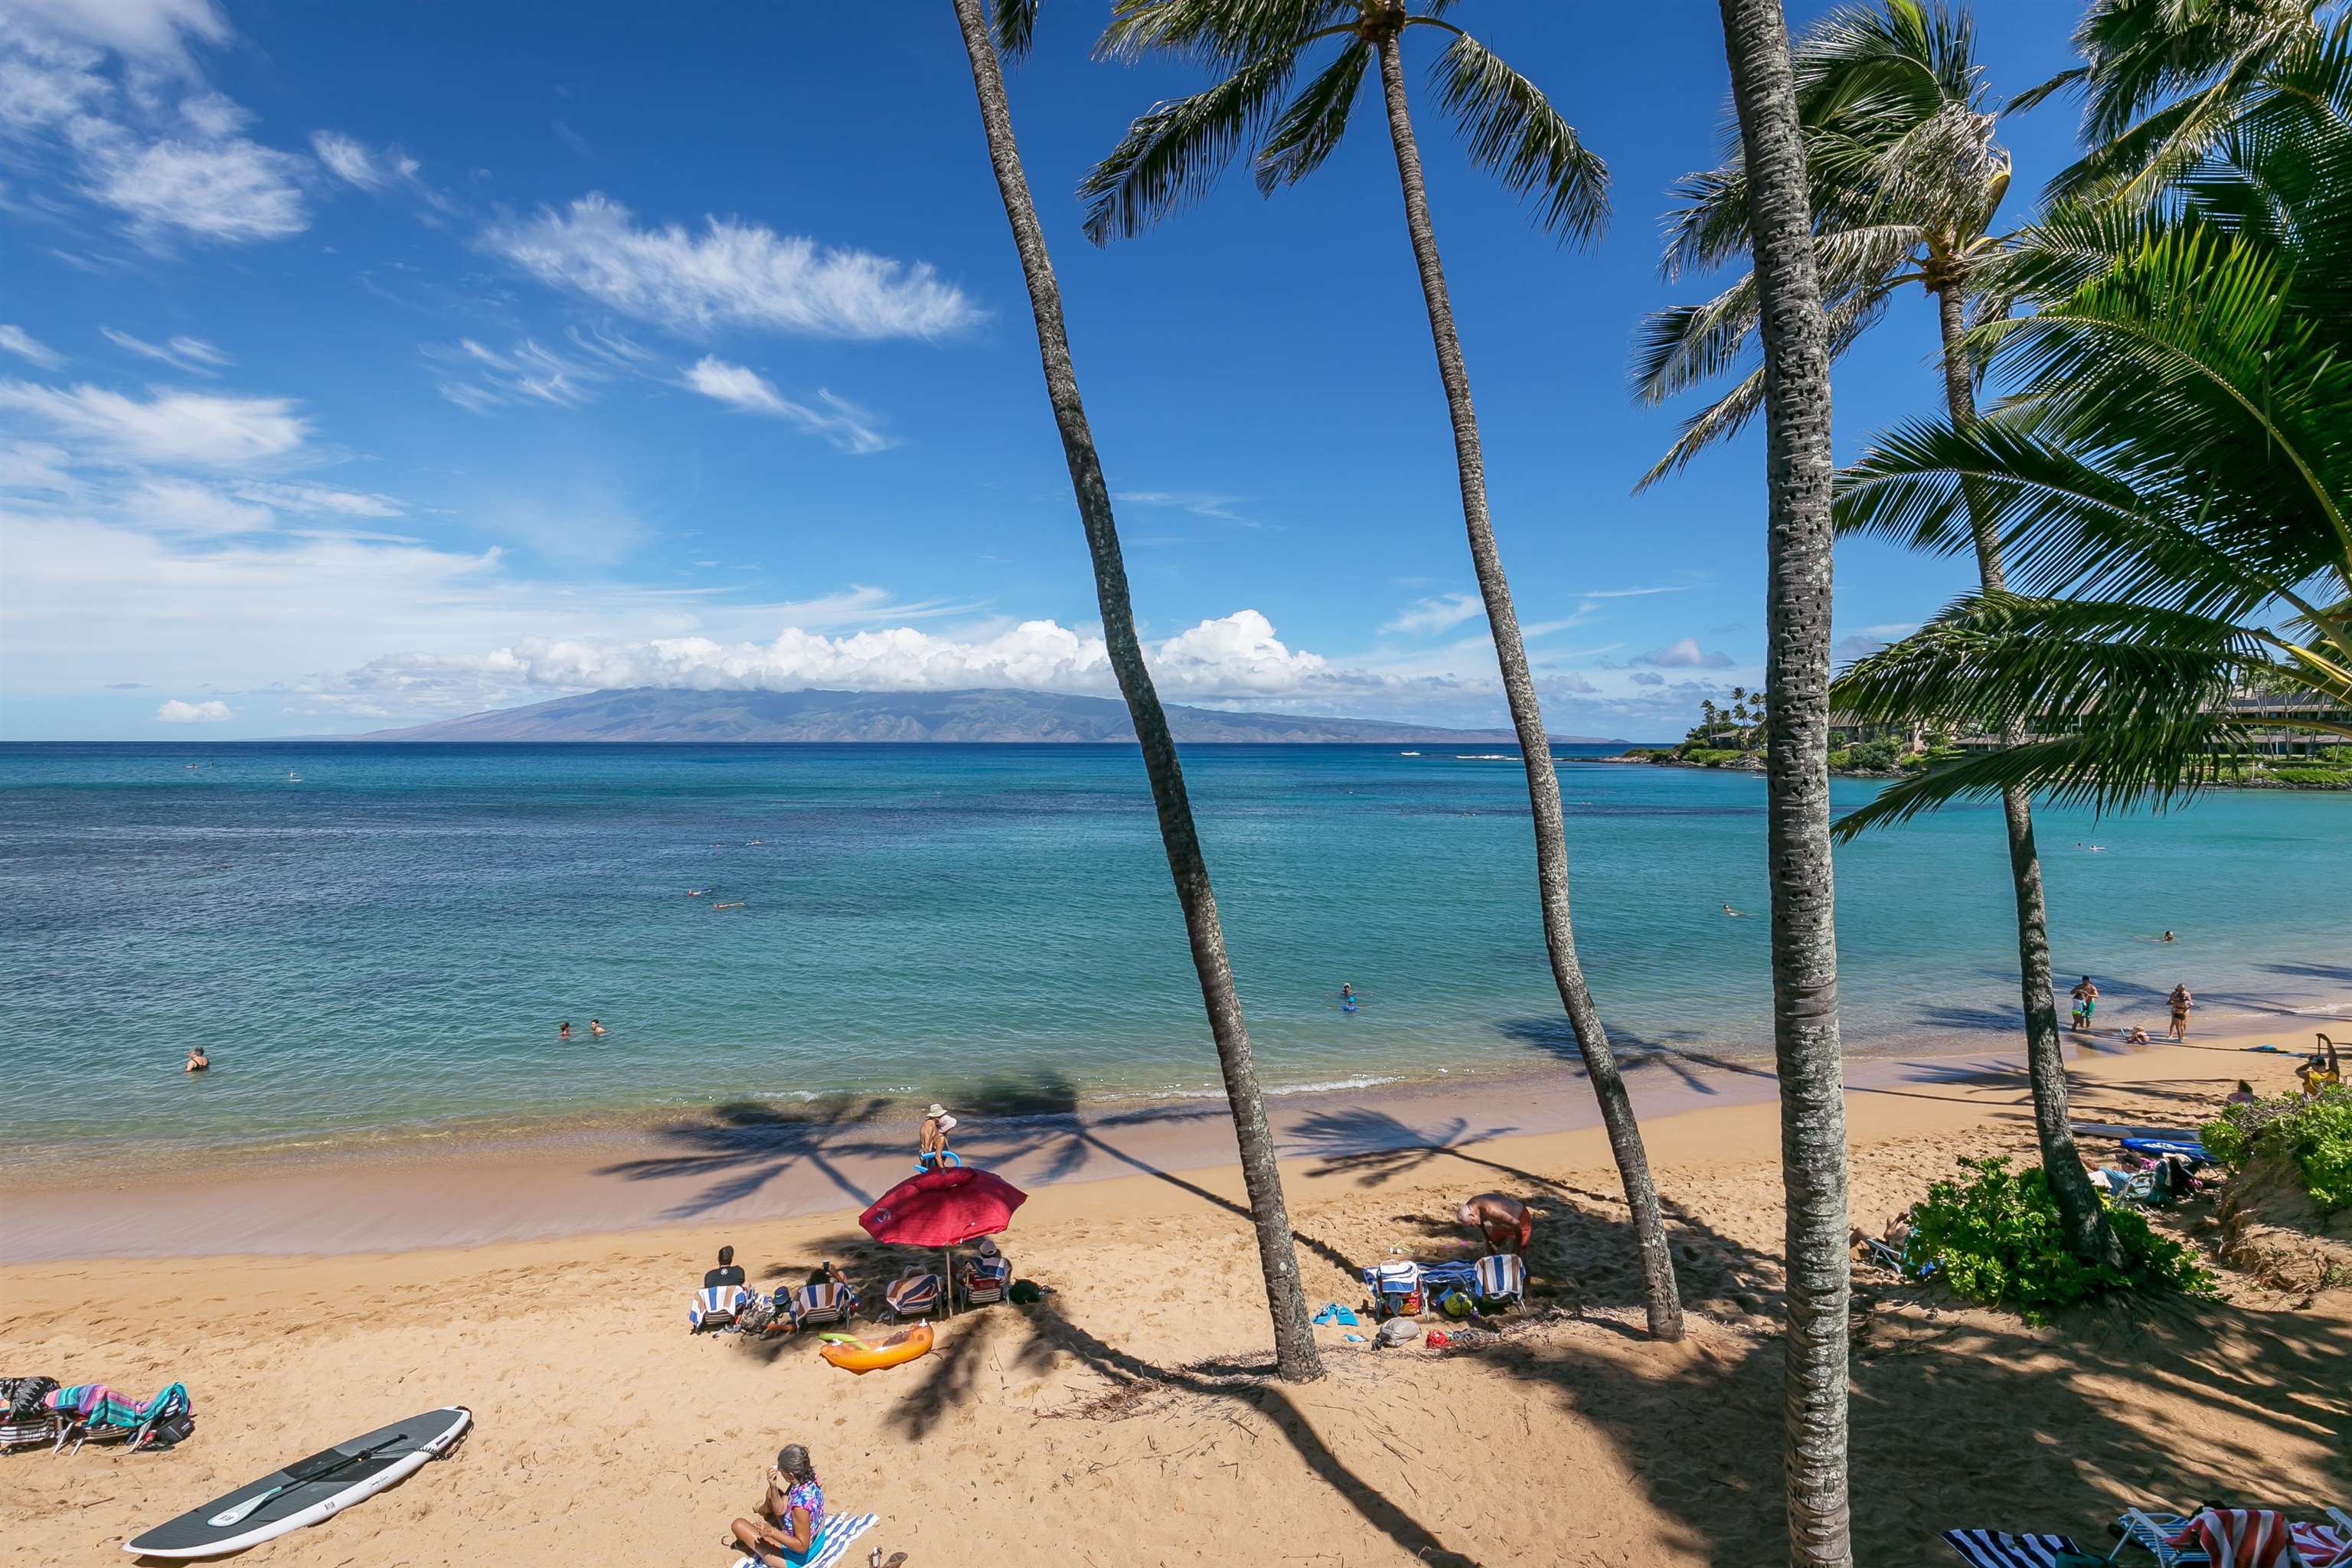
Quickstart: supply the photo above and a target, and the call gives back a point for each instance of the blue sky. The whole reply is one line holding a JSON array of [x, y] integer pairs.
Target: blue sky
[[362, 364]]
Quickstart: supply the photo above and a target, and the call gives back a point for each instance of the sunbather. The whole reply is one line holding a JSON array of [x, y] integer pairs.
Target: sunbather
[[1506, 1224], [729, 1271], [784, 1526]]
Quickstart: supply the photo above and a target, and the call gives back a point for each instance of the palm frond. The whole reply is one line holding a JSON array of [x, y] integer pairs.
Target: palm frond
[[1709, 227], [2106, 770], [1220, 34], [1317, 119], [1173, 153], [1015, 22], [2033, 97], [1509, 127]]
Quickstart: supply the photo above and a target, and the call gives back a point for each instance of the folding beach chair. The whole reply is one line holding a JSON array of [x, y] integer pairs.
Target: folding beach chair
[[831, 1542], [911, 1296], [1396, 1286], [2153, 1533], [986, 1280], [717, 1306], [815, 1305], [2247, 1538], [1502, 1278], [40, 1430], [1992, 1548]]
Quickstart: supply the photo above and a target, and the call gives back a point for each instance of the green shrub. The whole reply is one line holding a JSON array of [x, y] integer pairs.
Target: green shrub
[[1876, 755], [1841, 760], [2315, 1130], [1994, 1238], [1711, 756], [2316, 778]]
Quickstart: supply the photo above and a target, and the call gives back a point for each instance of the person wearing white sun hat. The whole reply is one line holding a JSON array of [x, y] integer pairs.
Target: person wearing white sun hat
[[931, 1143]]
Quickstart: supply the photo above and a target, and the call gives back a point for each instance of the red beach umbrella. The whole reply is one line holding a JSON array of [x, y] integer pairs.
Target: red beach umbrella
[[941, 1209]]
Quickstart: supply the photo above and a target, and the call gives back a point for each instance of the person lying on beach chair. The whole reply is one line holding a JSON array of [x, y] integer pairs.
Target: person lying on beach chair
[[1503, 1223], [914, 1294], [987, 1277]]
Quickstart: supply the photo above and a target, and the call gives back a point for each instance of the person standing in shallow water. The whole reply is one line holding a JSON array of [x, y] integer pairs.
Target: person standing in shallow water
[[2181, 1002]]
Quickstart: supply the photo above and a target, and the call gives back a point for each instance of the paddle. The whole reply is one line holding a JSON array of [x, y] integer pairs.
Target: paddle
[[301, 1473]]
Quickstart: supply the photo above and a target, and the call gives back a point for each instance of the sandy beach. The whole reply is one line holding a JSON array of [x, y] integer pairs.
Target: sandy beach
[[1128, 1419]]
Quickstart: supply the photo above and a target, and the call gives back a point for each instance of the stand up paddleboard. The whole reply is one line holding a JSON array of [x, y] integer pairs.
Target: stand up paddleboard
[[306, 1491]]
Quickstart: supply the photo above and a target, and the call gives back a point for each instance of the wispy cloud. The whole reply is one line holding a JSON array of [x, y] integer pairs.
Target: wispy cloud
[[729, 274], [178, 713], [1685, 654], [1438, 612], [168, 427], [1196, 502], [191, 355], [23, 345], [841, 422]]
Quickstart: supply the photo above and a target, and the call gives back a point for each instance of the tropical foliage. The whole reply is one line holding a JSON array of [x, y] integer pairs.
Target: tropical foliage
[[1994, 1235], [2171, 477], [2314, 1132]]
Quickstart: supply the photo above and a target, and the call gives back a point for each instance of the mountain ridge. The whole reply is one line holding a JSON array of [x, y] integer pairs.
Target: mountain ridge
[[980, 715]]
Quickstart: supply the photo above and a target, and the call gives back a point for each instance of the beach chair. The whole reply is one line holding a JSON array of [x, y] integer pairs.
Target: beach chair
[[911, 1296], [816, 1305], [2245, 1538], [41, 1430], [717, 1306], [2189, 1149], [1502, 1281], [986, 1280], [2152, 1532], [1396, 1287], [1992, 1549], [831, 1542]]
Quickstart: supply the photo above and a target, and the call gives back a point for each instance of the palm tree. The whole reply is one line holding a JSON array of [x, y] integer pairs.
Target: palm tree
[[1796, 399], [2170, 477], [1173, 154], [1906, 179], [2162, 81], [1295, 1353]]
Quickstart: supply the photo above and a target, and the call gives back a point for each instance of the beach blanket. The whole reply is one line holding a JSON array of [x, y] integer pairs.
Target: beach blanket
[[2240, 1538], [99, 1407], [831, 1543]]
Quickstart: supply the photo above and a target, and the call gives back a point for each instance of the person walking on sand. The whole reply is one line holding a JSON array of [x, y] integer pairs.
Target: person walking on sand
[[791, 1513], [1504, 1223], [2087, 1001], [2181, 1002], [931, 1139]]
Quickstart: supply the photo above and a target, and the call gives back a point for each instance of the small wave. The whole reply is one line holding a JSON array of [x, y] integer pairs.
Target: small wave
[[1484, 757]]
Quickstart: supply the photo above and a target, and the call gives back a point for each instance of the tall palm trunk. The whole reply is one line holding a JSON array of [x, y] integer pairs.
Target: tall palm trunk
[[1797, 662], [1664, 1299], [2088, 1235], [1294, 1337]]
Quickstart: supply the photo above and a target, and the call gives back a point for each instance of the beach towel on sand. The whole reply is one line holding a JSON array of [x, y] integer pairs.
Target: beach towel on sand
[[99, 1407], [2255, 1538], [827, 1550], [1992, 1549]]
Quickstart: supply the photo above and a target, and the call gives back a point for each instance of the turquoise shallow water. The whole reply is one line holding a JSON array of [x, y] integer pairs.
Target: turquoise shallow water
[[387, 944]]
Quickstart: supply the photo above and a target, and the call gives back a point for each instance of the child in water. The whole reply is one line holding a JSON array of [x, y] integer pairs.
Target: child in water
[[197, 1061]]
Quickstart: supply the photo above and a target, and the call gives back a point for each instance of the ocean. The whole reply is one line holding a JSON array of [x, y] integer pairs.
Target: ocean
[[380, 941]]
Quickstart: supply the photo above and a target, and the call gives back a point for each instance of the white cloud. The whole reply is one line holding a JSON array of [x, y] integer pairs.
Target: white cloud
[[1685, 654], [35, 466], [18, 342], [730, 274], [151, 29], [170, 427], [314, 500], [1198, 503], [233, 190], [1439, 613], [177, 506], [347, 160], [178, 713], [477, 378], [185, 353], [841, 422]]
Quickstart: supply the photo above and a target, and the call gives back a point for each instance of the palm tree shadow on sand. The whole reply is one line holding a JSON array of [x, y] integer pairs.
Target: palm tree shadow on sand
[[741, 1146]]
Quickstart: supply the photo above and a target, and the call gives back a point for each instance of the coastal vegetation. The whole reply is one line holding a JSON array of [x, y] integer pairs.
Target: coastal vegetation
[[2311, 1134], [1010, 30], [1174, 151]]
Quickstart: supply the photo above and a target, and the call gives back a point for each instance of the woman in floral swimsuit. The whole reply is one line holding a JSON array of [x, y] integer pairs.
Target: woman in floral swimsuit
[[791, 1513]]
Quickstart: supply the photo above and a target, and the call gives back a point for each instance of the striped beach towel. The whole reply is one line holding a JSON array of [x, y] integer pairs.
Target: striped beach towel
[[2252, 1538], [716, 1306], [1502, 1278], [1992, 1549], [831, 1543], [103, 1414]]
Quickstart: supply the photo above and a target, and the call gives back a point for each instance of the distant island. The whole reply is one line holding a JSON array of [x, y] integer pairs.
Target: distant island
[[653, 713]]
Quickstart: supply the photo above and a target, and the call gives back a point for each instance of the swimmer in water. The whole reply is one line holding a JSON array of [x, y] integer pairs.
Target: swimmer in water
[[563, 1030], [197, 1061], [595, 1028], [1347, 996], [2168, 936], [1732, 912]]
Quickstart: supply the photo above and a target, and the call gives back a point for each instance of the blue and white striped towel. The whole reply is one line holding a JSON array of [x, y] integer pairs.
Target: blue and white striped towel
[[831, 1543], [1992, 1548]]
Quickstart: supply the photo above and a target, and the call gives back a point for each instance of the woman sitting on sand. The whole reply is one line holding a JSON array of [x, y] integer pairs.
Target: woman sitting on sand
[[785, 1525]]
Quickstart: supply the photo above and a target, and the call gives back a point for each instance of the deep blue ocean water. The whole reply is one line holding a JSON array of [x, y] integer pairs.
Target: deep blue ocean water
[[386, 941]]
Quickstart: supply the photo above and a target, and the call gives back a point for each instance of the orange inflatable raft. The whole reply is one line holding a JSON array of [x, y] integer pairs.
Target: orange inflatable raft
[[857, 1355]]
